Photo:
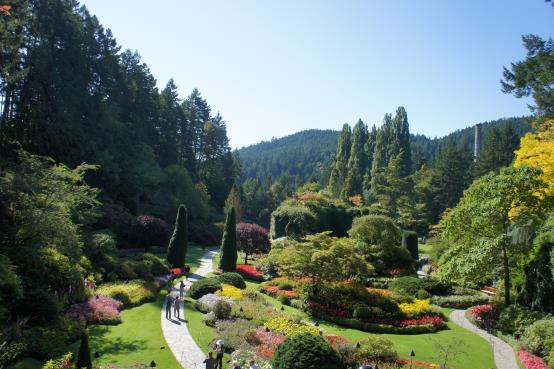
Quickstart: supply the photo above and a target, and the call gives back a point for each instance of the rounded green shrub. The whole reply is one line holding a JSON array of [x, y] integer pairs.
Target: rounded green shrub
[[284, 299], [422, 295], [515, 319], [285, 286], [435, 286], [232, 278], [366, 312], [408, 285], [539, 336], [306, 351], [222, 309], [377, 349], [204, 286]]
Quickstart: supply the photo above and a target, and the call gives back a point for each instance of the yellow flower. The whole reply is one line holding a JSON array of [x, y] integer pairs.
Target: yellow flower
[[231, 292], [416, 308], [288, 327]]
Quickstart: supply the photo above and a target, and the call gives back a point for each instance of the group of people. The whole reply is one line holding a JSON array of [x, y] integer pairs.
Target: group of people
[[217, 362], [174, 302]]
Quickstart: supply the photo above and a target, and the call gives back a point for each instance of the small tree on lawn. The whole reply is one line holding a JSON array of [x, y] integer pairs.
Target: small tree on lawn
[[228, 253], [83, 358], [251, 239], [177, 250]]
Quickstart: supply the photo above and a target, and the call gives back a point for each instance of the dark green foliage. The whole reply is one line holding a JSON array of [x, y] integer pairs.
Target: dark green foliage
[[498, 149], [435, 286], [460, 302], [228, 253], [10, 287], [539, 336], [407, 285], [204, 286], [514, 319], [339, 166], [357, 162], [410, 242], [177, 249], [537, 291], [45, 342], [233, 279], [84, 359], [305, 351]]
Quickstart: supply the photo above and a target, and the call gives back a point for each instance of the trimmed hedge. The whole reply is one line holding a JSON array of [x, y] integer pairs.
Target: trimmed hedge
[[306, 351], [232, 278], [460, 302], [204, 286], [378, 328]]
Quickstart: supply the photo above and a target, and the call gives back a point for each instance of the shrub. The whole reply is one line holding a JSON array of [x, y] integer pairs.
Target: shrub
[[459, 302], [267, 342], [409, 241], [283, 299], [10, 351], [130, 293], [418, 308], [249, 272], [222, 309], [126, 271], [177, 249], [423, 295], [516, 318], [97, 309], [204, 286], [228, 253], [377, 349], [155, 265], [297, 304], [150, 231], [436, 287], [289, 327], [257, 310], [305, 351], [45, 342], [233, 279], [366, 312], [61, 363], [539, 336], [408, 285], [230, 291], [233, 331], [285, 286]]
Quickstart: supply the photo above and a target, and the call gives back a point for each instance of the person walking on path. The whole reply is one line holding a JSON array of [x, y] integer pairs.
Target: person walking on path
[[176, 308], [168, 306], [253, 365], [182, 290], [219, 354], [210, 361]]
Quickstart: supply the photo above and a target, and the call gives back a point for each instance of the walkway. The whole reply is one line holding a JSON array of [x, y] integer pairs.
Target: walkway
[[504, 355], [176, 332]]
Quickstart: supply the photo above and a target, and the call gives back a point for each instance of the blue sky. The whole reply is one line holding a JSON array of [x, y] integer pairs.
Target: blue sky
[[276, 67]]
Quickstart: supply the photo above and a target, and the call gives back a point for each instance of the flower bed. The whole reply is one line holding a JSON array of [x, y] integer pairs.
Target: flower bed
[[231, 292], [483, 315], [316, 307], [288, 327], [250, 272], [269, 342], [130, 293], [531, 361], [418, 308], [274, 291], [97, 309], [434, 320], [379, 291]]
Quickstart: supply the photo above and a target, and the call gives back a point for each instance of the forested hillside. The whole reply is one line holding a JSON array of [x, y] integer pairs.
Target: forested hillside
[[306, 155]]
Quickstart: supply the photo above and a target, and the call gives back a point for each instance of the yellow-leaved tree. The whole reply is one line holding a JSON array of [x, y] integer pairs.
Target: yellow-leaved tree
[[537, 150]]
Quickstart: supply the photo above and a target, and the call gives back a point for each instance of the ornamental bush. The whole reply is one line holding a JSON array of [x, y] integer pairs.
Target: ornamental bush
[[228, 252], [222, 309], [460, 302], [177, 249], [233, 279], [97, 309], [289, 327], [539, 336], [435, 286], [230, 292], [516, 318], [409, 241], [252, 239], [131, 293], [408, 285], [44, 342], [306, 351], [150, 231], [204, 286], [377, 349]]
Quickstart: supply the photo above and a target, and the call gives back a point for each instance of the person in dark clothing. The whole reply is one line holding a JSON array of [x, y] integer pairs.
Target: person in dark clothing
[[210, 361], [219, 354], [182, 290], [176, 308], [168, 306]]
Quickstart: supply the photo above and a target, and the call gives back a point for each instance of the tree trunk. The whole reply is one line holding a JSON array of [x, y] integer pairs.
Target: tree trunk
[[245, 257], [506, 276]]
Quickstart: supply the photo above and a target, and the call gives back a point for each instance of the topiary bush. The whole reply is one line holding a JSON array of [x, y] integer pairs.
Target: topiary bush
[[407, 285], [435, 286], [222, 309], [204, 286], [228, 251], [409, 241], [306, 351], [232, 278], [177, 249]]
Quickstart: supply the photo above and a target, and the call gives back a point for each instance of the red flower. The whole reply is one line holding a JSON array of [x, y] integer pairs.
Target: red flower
[[249, 271], [316, 306], [531, 361]]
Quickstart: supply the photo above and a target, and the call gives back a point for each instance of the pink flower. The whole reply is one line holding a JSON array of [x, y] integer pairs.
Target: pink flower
[[531, 361]]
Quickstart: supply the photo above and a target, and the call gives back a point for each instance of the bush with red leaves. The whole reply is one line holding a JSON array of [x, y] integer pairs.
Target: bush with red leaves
[[250, 272], [150, 231]]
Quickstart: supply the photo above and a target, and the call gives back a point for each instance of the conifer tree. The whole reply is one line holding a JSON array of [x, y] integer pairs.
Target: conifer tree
[[369, 149], [357, 162], [83, 358], [498, 150], [228, 253], [177, 249], [234, 201], [340, 161]]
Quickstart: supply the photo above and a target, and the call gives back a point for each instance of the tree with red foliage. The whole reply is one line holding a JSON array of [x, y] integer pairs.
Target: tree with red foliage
[[251, 239], [150, 231]]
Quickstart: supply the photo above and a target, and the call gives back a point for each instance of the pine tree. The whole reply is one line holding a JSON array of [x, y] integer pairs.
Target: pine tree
[[83, 358], [357, 163], [369, 150], [498, 149], [228, 253], [340, 162], [177, 249], [234, 201]]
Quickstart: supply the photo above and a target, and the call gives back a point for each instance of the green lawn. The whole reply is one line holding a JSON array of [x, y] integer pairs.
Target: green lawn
[[479, 352]]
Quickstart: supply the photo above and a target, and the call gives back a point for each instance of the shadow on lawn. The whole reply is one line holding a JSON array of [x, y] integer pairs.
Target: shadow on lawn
[[113, 346]]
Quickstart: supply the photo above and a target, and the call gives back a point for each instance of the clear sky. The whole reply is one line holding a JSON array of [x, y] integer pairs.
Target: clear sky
[[276, 67]]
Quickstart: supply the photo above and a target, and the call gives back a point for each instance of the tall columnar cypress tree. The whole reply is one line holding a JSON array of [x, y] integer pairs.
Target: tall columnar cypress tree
[[228, 253], [369, 150], [83, 358], [177, 249], [357, 162], [340, 161]]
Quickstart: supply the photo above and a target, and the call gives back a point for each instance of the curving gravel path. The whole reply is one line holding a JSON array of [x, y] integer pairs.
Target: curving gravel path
[[504, 355], [176, 332]]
